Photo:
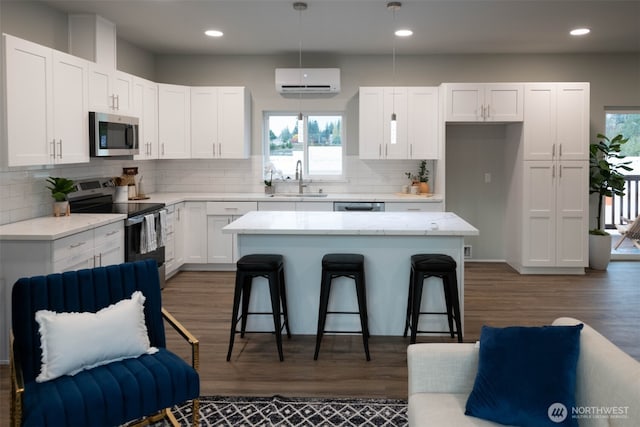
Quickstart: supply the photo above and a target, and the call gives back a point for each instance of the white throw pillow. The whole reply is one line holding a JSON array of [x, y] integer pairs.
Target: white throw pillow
[[72, 342]]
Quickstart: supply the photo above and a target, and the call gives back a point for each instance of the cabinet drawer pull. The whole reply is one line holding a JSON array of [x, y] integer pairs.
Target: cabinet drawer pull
[[77, 245], [111, 233]]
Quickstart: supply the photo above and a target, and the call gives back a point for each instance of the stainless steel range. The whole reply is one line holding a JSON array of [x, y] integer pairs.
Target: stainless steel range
[[96, 196]]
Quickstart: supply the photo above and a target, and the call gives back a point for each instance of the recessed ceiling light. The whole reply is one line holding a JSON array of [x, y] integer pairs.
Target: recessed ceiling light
[[404, 33], [580, 31], [214, 33]]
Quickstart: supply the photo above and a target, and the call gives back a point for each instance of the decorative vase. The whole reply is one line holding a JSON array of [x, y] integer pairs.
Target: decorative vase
[[424, 187], [61, 208], [599, 251]]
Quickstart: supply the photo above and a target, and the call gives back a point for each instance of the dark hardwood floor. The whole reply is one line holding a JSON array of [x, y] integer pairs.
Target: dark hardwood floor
[[494, 295]]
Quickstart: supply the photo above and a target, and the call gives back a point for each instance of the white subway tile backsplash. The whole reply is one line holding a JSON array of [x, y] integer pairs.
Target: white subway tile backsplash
[[24, 194]]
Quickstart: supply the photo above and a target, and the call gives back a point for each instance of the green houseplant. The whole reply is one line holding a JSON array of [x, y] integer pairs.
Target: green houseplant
[[606, 180], [421, 178], [59, 188]]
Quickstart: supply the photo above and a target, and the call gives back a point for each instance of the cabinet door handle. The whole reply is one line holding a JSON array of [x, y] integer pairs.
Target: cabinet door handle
[[560, 171], [386, 150], [113, 102], [219, 149], [117, 97], [553, 151], [163, 149], [60, 154], [559, 150], [488, 111], [53, 151], [379, 150], [411, 151]]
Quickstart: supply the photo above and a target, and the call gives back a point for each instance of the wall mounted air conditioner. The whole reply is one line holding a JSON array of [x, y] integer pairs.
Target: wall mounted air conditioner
[[308, 80]]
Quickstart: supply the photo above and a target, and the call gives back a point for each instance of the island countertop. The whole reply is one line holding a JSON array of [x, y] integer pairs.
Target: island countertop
[[350, 223]]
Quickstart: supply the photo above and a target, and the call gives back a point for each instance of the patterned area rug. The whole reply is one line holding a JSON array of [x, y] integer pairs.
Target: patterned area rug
[[289, 411]]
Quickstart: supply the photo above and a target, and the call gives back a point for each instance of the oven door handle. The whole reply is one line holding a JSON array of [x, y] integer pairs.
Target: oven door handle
[[134, 220]]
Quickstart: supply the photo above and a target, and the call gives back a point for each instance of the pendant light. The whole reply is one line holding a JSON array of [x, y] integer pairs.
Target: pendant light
[[300, 6], [393, 125]]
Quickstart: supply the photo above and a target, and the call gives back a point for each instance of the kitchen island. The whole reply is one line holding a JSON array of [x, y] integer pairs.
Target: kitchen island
[[386, 239]]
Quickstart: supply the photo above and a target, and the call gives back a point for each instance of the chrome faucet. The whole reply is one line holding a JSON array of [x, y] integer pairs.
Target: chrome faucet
[[299, 176]]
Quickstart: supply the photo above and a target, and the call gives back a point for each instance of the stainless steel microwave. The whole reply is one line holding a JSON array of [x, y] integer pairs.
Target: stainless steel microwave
[[113, 135]]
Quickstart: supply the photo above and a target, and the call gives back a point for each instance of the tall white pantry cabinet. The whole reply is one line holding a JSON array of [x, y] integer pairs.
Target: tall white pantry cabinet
[[548, 201]]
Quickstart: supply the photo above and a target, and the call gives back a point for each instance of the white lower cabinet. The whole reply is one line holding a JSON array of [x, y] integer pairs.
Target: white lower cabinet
[[108, 245], [277, 206], [555, 214], [413, 207], [100, 246], [174, 242], [222, 247], [195, 233]]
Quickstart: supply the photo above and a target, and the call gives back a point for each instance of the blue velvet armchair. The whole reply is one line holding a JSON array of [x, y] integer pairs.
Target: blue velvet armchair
[[139, 389]]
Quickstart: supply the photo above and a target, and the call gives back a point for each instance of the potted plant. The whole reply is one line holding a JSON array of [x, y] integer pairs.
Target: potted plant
[[605, 180], [421, 180], [60, 187]]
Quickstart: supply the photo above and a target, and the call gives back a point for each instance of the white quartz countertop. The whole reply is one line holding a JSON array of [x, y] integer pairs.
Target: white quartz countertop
[[52, 228], [172, 198], [349, 223]]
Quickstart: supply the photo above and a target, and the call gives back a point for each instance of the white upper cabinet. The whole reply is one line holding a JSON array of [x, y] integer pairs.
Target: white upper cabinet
[[110, 91], [371, 122], [145, 106], [220, 122], [46, 105], [484, 102], [416, 110], [174, 121], [423, 123], [556, 125], [395, 101], [573, 121]]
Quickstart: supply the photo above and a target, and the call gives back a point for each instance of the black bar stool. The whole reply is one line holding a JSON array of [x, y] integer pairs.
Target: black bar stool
[[433, 265], [343, 265], [272, 268]]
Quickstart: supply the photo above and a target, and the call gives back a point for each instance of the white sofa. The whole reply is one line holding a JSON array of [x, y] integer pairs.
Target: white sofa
[[441, 377]]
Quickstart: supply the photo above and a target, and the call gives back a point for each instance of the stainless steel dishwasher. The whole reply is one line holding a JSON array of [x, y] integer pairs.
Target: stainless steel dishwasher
[[358, 206]]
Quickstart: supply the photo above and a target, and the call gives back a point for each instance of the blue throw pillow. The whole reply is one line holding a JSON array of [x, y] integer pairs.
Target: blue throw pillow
[[526, 376]]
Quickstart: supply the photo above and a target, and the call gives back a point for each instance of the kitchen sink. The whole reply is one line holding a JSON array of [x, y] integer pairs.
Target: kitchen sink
[[305, 195]]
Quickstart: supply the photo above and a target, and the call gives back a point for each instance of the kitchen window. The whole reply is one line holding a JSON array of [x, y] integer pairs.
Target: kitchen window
[[321, 150]]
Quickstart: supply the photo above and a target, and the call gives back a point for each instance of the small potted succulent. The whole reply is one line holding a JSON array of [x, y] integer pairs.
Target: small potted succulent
[[59, 188]]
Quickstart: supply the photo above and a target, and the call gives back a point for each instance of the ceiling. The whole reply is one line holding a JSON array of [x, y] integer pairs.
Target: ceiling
[[366, 26]]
